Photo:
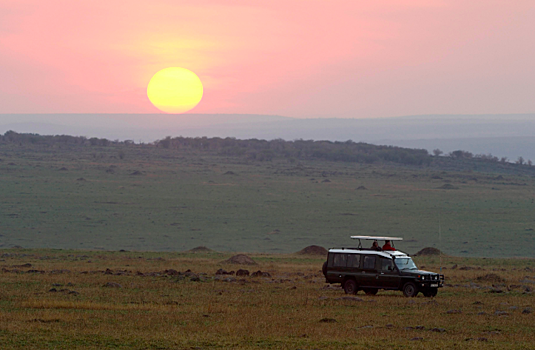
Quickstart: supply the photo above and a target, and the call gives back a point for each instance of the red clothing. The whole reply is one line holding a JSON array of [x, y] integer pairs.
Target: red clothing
[[387, 246]]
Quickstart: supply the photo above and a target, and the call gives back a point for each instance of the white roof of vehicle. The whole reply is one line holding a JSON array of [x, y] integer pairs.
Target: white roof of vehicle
[[377, 238], [383, 253]]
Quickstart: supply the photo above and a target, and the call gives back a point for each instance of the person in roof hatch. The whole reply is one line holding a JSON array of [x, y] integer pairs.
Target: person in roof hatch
[[375, 246], [387, 246]]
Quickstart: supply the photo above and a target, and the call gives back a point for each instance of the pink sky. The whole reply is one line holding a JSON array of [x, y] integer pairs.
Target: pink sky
[[306, 59]]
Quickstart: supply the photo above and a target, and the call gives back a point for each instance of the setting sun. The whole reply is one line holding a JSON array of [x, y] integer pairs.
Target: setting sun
[[175, 90]]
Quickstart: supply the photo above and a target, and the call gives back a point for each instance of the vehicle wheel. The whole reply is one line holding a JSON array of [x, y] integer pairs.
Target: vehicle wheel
[[410, 290], [371, 291], [431, 292], [324, 269], [350, 286]]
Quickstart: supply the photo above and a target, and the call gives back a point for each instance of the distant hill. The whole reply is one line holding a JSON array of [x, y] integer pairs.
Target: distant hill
[[278, 149], [505, 135], [510, 147]]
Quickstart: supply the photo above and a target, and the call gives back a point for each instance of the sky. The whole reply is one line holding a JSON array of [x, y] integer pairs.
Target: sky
[[295, 58]]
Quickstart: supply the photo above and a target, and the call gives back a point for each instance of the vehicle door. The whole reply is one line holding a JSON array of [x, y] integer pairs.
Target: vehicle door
[[369, 271], [337, 267], [353, 266], [387, 275]]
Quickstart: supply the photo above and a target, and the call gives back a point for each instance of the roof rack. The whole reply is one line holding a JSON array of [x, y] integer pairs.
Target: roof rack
[[376, 238], [392, 253]]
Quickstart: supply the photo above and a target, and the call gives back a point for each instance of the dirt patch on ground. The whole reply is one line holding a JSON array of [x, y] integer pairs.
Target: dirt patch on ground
[[429, 251], [490, 277], [240, 259], [448, 187], [313, 250], [200, 249]]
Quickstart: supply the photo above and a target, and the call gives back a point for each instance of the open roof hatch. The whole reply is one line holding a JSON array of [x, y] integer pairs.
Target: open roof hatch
[[376, 238]]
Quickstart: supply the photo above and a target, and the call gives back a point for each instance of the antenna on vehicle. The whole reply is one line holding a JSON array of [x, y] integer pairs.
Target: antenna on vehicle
[[440, 243]]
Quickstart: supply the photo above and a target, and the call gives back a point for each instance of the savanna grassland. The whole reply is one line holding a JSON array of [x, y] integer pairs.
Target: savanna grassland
[[106, 196], [60, 299], [95, 234]]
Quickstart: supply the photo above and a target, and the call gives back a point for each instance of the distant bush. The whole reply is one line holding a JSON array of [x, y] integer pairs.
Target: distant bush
[[459, 154]]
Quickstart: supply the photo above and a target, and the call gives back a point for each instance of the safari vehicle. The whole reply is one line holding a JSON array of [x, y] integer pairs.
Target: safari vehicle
[[370, 269]]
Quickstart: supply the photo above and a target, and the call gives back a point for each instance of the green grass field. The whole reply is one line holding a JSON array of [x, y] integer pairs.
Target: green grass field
[[57, 299], [152, 199]]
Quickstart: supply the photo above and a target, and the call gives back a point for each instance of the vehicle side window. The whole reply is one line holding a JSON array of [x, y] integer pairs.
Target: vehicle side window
[[369, 262], [330, 260], [340, 260], [387, 265], [353, 260]]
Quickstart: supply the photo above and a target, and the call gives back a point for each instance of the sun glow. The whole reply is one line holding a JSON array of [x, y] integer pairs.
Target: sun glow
[[175, 90]]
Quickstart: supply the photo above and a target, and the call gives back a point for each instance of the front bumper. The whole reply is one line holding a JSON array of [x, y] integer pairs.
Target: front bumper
[[432, 282]]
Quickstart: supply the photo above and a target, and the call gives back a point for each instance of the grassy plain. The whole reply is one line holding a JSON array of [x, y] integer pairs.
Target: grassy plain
[[147, 198], [60, 299]]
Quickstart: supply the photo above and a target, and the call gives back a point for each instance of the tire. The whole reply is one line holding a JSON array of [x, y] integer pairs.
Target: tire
[[324, 269], [350, 286], [431, 292], [371, 291], [410, 290]]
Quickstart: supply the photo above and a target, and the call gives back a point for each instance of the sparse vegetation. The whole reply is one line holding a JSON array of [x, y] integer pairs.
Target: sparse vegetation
[[74, 195], [60, 299]]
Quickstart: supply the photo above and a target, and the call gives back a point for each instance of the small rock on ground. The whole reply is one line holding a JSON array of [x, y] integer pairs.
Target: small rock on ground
[[454, 311], [113, 285], [501, 313], [328, 320], [350, 298], [438, 330], [242, 272]]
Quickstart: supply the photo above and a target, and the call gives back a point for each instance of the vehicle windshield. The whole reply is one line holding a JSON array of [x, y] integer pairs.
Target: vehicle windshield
[[405, 264]]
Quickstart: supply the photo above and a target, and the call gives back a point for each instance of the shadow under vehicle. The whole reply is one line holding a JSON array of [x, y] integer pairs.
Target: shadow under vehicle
[[371, 269]]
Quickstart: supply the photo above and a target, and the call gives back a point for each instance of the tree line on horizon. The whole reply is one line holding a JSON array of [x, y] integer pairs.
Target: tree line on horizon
[[264, 150]]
